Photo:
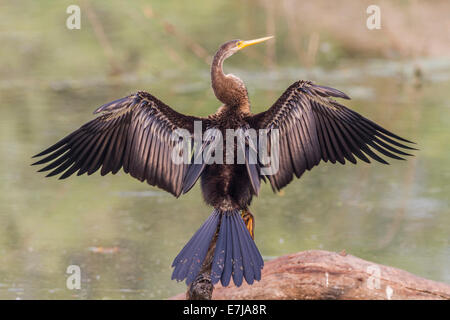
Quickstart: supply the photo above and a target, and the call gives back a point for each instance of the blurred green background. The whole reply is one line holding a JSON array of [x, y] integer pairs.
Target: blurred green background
[[124, 234]]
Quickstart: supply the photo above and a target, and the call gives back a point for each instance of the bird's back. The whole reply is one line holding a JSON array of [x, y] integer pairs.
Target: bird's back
[[226, 185]]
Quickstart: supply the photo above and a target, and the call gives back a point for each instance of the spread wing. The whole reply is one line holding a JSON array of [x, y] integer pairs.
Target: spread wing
[[133, 133], [313, 127]]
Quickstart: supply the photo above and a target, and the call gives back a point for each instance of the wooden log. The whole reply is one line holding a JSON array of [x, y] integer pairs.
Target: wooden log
[[317, 274]]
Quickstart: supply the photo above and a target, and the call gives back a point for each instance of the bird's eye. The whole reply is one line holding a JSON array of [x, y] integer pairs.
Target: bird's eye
[[239, 43]]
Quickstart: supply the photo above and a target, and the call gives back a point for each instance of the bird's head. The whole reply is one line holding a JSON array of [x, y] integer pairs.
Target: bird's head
[[231, 47]]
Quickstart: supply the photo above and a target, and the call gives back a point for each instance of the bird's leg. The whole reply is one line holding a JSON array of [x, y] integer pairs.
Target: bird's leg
[[249, 221]]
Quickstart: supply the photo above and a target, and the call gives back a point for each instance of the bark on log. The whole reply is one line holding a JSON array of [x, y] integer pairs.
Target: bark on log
[[319, 274]]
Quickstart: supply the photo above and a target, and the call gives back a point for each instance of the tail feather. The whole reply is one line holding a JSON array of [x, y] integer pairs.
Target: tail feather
[[224, 276], [220, 264], [237, 258], [189, 261], [236, 255], [253, 261]]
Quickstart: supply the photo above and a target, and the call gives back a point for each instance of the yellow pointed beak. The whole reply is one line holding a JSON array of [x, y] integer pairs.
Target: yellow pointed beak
[[243, 44]]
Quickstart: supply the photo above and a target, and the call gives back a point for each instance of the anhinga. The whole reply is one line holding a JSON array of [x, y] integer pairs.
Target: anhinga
[[134, 133]]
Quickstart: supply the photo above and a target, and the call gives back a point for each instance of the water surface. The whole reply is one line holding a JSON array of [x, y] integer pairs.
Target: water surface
[[124, 234]]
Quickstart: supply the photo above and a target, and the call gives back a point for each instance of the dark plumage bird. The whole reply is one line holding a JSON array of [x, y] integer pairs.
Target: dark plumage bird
[[135, 133]]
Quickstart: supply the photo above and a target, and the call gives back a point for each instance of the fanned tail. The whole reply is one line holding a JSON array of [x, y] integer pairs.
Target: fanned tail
[[235, 255]]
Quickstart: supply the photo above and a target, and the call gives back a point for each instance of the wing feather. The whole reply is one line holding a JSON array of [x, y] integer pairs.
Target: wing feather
[[133, 133], [314, 127]]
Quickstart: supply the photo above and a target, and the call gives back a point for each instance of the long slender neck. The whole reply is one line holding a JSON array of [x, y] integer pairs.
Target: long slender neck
[[217, 75], [229, 89]]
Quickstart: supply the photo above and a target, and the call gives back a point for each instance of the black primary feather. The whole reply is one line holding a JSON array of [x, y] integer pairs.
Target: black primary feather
[[133, 132], [314, 127]]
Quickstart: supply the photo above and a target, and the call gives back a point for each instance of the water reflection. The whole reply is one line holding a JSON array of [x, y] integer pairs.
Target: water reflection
[[124, 234]]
